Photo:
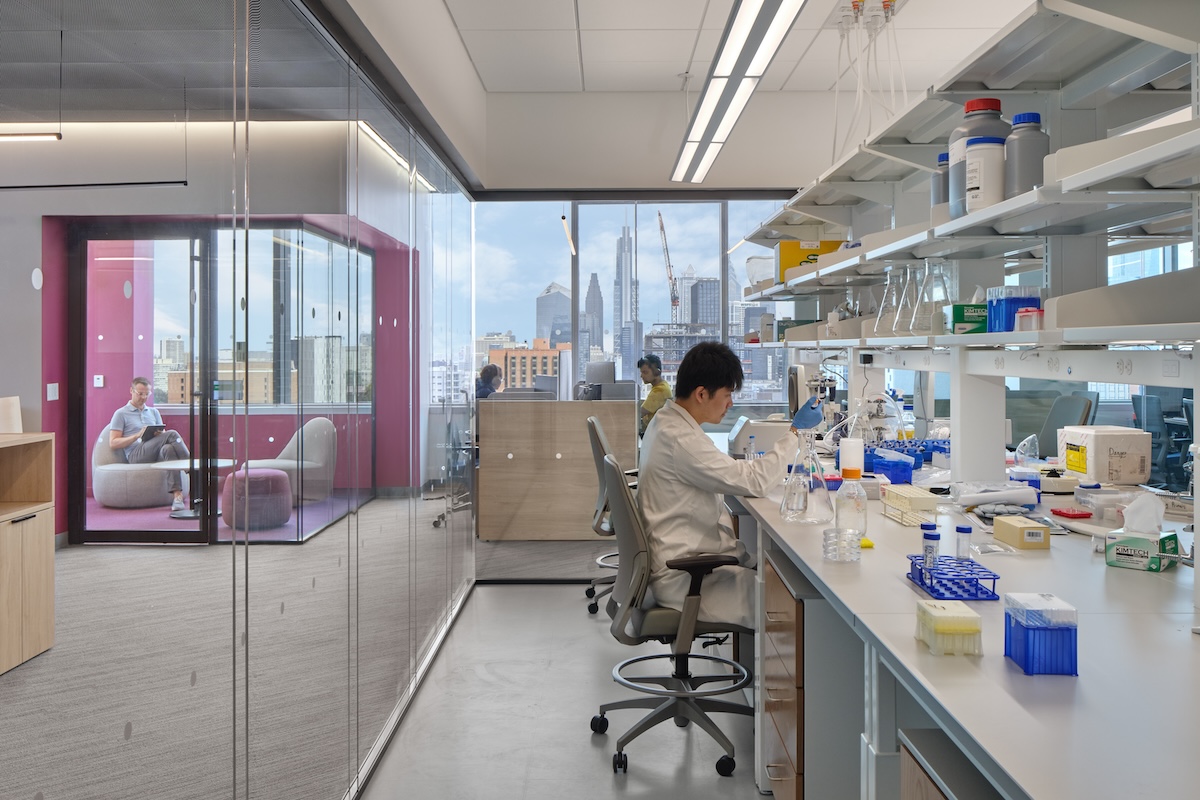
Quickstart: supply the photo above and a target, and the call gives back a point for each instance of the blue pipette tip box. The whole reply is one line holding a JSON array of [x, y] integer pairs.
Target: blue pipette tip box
[[1041, 650]]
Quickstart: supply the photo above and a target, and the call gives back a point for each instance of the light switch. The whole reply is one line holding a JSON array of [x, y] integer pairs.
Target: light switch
[[51, 391], [98, 381]]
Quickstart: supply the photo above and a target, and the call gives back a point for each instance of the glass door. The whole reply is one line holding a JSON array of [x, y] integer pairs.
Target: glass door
[[139, 352]]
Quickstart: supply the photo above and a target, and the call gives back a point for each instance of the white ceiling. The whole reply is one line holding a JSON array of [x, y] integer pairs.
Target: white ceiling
[[613, 77]]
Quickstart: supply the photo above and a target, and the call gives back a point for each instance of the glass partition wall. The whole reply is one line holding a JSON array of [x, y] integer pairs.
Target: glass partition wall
[[289, 269]]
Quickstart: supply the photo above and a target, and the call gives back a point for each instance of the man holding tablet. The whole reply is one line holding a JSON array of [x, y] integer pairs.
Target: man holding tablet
[[138, 430]]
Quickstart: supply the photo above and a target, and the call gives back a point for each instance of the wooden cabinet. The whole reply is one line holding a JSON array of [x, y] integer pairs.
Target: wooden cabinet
[[782, 680], [26, 547], [915, 783]]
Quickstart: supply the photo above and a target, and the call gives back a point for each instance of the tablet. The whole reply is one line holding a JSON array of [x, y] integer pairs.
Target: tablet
[[152, 431]]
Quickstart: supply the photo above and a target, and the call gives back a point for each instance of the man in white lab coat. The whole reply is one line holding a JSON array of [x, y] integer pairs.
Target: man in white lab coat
[[682, 478]]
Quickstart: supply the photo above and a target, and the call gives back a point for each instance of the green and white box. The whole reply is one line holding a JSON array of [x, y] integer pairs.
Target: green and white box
[[965, 317], [1140, 550]]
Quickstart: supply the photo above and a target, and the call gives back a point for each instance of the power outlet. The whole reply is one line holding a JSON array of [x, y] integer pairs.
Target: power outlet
[[98, 381], [1170, 368], [51, 391]]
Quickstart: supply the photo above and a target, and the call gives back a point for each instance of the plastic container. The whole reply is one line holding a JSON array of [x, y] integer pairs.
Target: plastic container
[[1040, 610], [850, 452], [1041, 651], [895, 471], [1003, 303], [931, 542], [981, 118], [839, 544], [949, 627], [850, 503], [805, 495], [1029, 319], [962, 542], [751, 451], [939, 182], [1025, 151], [984, 181]]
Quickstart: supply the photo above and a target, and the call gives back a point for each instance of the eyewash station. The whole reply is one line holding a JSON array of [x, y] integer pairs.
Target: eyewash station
[[1015, 615]]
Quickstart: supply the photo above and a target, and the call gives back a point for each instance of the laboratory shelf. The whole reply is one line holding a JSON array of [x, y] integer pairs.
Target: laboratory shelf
[[1119, 335], [1171, 163], [1000, 339], [1050, 211]]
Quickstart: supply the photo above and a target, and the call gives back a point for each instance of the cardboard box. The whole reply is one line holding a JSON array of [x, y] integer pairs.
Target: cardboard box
[[1105, 453], [1021, 532], [965, 318], [782, 326], [1140, 550], [792, 253]]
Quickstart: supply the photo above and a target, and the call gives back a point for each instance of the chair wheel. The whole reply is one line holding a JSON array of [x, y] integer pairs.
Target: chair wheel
[[681, 722], [437, 523], [621, 762], [593, 607], [589, 592], [599, 724], [725, 766]]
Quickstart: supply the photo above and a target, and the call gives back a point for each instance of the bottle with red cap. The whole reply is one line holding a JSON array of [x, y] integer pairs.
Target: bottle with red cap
[[981, 118]]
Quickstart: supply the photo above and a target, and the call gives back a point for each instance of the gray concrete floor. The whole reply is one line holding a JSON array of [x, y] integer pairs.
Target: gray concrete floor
[[504, 714]]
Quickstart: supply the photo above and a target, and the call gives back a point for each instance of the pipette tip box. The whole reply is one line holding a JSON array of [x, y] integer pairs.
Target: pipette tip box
[[1041, 634], [949, 627]]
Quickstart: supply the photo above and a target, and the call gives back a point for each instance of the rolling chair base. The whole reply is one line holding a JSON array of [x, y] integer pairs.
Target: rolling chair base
[[608, 561], [683, 698]]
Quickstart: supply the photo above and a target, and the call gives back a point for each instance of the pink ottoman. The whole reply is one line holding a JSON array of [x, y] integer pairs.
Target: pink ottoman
[[270, 499]]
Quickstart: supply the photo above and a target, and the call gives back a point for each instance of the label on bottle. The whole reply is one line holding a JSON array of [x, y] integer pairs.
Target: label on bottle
[[958, 151]]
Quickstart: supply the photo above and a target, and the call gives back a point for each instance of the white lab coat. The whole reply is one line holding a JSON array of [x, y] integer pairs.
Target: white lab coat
[[682, 478]]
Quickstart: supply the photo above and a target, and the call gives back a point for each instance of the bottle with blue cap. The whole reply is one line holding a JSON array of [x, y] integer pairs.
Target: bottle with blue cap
[[1025, 151], [931, 543], [981, 118], [962, 542], [939, 182], [984, 172]]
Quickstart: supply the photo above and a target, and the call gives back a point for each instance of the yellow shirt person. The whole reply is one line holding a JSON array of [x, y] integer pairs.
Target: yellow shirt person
[[651, 371]]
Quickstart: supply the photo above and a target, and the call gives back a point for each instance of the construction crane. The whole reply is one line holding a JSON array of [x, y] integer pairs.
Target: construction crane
[[670, 273]]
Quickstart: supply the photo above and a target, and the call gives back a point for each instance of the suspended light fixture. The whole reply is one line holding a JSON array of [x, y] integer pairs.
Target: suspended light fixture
[[567, 231], [752, 36]]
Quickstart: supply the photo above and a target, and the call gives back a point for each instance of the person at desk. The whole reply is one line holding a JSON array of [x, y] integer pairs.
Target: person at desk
[[127, 432], [650, 368], [683, 476], [490, 378]]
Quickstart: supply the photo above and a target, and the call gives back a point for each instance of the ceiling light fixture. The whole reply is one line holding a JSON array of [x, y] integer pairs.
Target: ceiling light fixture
[[567, 231], [752, 36], [30, 137], [383, 145]]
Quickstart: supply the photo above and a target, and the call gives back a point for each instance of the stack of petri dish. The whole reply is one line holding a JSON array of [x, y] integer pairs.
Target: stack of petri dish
[[841, 544]]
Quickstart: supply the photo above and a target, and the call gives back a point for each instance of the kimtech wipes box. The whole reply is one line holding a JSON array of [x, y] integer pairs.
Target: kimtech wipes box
[[1140, 550], [1105, 453]]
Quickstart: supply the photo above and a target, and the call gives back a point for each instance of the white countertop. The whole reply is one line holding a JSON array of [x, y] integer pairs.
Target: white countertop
[[1127, 727]]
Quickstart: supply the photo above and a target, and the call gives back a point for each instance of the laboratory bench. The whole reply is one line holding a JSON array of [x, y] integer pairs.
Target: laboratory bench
[[975, 726]]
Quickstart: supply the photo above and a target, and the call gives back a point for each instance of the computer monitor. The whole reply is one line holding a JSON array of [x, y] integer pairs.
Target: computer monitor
[[601, 372], [546, 383]]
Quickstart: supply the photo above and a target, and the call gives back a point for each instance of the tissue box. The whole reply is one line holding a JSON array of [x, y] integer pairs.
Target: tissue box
[[1105, 453], [1140, 550], [1021, 532], [965, 317]]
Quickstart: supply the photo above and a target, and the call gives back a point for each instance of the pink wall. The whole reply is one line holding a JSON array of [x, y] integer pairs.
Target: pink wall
[[54, 354]]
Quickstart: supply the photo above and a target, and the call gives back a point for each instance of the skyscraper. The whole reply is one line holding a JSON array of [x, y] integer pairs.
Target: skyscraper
[[627, 329], [706, 302], [686, 281], [593, 313], [554, 301]]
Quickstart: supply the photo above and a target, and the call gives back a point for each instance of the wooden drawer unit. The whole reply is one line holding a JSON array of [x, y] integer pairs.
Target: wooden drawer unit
[[784, 623], [26, 547], [915, 783], [783, 702], [786, 784]]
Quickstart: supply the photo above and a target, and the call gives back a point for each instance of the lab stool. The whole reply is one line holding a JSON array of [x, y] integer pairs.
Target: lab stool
[[256, 499]]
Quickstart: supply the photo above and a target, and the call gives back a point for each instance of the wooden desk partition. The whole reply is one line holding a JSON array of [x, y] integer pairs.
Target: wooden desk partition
[[537, 479]]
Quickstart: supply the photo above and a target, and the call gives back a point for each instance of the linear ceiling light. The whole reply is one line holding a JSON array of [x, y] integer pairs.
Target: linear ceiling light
[[755, 30], [567, 230], [383, 145], [30, 137]]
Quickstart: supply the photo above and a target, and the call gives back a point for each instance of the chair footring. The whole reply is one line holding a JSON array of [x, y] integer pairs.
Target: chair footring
[[608, 561], [738, 678]]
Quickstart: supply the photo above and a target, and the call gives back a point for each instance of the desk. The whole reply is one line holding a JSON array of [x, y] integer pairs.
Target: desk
[[1126, 727]]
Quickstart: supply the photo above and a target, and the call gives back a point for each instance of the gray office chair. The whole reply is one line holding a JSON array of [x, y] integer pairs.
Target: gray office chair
[[601, 586], [1066, 410], [1094, 397], [1164, 461], [680, 695]]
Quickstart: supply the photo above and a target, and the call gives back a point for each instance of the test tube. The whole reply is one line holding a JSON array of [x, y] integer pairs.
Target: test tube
[[962, 542]]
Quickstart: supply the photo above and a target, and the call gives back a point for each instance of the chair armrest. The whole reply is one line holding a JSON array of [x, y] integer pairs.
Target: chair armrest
[[700, 565]]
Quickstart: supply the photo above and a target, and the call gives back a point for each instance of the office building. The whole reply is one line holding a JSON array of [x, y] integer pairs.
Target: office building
[[521, 364], [492, 341], [591, 323], [553, 305], [706, 302], [297, 189], [686, 279]]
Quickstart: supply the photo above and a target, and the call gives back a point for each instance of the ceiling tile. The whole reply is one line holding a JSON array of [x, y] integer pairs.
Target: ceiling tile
[[525, 61], [718, 15], [636, 45], [624, 76], [626, 14], [529, 15]]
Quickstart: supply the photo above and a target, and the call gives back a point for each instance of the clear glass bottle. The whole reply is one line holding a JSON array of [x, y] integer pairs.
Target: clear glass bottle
[[805, 494], [906, 300], [851, 503], [932, 298], [886, 316]]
